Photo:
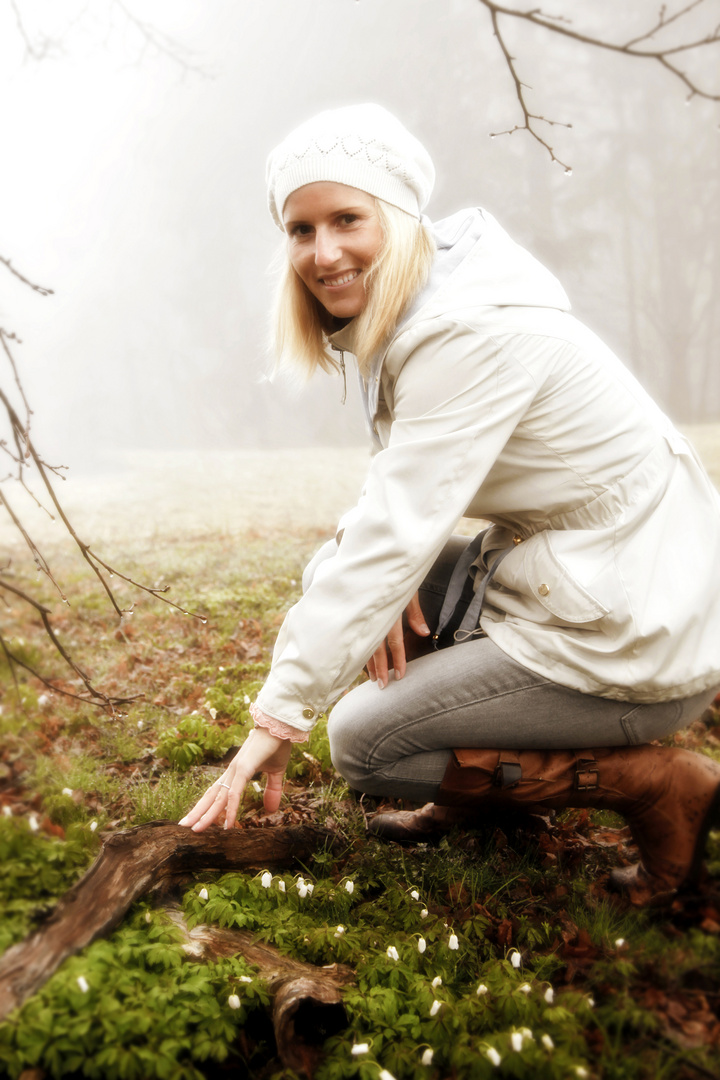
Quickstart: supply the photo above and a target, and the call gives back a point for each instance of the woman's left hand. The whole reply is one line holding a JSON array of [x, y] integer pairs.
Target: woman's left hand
[[396, 645], [261, 752]]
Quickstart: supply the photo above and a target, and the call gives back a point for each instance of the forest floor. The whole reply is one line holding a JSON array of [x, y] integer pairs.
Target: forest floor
[[513, 957]]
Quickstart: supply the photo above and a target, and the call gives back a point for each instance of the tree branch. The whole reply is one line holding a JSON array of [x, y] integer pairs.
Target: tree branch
[[132, 864], [36, 288], [639, 47], [22, 452], [41, 46]]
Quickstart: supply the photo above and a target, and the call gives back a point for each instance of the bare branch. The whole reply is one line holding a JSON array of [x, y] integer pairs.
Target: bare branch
[[37, 288], [24, 455], [94, 697], [520, 88], [639, 47], [41, 46], [159, 41], [663, 21]]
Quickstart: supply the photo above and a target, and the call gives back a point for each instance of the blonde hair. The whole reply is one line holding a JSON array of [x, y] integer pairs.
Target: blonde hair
[[399, 271]]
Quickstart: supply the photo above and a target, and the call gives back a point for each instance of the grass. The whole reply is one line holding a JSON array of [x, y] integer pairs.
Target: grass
[[601, 990]]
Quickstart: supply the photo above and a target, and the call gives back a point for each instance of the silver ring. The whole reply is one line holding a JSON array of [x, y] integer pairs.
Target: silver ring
[[225, 785]]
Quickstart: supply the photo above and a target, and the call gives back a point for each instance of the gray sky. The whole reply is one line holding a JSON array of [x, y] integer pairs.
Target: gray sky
[[134, 187]]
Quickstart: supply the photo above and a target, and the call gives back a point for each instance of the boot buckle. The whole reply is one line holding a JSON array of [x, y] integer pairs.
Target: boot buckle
[[587, 774], [507, 774]]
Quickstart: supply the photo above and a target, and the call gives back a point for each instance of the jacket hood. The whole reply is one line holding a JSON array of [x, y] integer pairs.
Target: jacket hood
[[477, 264]]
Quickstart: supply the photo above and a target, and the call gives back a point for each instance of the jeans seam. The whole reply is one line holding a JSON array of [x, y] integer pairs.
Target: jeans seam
[[397, 730]]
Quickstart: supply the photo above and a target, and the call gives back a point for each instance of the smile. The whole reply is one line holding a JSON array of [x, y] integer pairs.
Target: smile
[[344, 279]]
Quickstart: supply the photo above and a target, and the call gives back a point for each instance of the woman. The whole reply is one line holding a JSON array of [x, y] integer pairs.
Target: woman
[[578, 627]]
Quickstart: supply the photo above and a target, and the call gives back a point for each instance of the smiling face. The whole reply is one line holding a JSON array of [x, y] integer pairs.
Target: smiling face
[[334, 234]]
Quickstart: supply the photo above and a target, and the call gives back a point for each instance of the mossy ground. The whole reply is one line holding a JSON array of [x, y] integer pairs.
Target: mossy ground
[[600, 989]]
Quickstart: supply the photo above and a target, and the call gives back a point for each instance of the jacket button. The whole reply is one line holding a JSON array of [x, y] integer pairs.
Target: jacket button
[[543, 589], [308, 714]]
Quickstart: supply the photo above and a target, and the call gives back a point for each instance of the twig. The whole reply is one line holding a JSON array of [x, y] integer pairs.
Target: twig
[[520, 88], [22, 452], [36, 288], [638, 47], [39, 46]]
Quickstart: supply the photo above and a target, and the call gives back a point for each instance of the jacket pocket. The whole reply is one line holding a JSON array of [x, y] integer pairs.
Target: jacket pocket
[[554, 587]]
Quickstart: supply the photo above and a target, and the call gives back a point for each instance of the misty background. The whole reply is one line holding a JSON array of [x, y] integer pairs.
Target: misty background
[[133, 186]]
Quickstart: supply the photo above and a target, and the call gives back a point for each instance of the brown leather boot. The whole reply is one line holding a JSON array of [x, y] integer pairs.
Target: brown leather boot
[[669, 797], [416, 826], [433, 820]]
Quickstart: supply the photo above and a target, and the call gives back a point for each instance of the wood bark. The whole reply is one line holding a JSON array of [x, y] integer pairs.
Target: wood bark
[[133, 863], [307, 1000]]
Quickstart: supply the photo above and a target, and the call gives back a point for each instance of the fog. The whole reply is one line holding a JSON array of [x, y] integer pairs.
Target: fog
[[133, 186]]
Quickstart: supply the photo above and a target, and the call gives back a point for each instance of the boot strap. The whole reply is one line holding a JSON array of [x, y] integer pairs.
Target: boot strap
[[587, 774], [507, 773]]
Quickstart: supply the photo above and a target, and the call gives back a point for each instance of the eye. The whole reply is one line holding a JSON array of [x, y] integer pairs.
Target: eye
[[300, 230], [348, 219]]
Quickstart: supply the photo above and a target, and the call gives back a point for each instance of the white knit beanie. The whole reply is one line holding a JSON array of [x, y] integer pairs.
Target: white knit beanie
[[363, 146]]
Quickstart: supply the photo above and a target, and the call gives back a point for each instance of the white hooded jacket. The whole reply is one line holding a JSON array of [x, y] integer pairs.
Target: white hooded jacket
[[492, 401]]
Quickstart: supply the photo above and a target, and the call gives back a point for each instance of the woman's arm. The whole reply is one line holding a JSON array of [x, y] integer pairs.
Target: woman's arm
[[457, 397]]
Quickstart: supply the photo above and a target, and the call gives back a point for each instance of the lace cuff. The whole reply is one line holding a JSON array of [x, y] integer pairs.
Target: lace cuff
[[277, 727]]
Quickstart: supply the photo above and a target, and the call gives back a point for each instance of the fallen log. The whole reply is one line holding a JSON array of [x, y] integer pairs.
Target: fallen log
[[131, 864], [307, 1000]]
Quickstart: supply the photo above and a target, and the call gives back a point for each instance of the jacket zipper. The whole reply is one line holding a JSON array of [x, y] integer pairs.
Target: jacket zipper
[[337, 349]]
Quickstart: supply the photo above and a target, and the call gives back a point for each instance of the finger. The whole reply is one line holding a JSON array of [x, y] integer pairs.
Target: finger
[[234, 795], [381, 666], [415, 617], [273, 791], [204, 803], [371, 668], [396, 644], [209, 809]]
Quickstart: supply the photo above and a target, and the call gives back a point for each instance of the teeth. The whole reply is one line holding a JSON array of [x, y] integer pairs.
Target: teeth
[[341, 280]]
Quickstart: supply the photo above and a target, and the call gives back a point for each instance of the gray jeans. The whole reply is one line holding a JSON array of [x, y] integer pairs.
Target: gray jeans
[[397, 741]]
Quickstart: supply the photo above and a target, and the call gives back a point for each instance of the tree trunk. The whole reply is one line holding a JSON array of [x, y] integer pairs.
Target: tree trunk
[[131, 864], [307, 1000]]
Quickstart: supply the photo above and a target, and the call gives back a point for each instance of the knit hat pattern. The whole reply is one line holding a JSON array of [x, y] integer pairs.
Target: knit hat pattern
[[362, 146]]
